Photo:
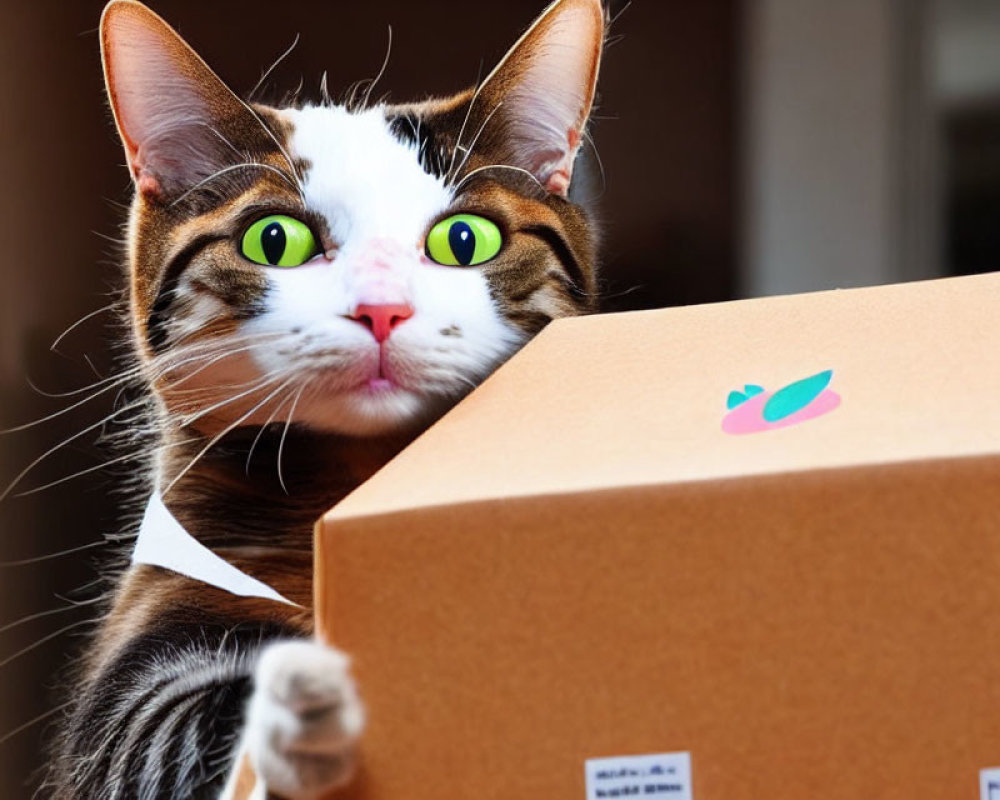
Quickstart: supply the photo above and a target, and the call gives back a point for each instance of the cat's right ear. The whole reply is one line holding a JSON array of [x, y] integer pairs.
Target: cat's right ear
[[174, 115], [531, 112]]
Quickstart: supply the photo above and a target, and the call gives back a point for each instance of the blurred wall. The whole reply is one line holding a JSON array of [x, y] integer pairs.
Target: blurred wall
[[871, 142], [965, 50], [668, 138], [58, 168], [965, 41], [821, 147]]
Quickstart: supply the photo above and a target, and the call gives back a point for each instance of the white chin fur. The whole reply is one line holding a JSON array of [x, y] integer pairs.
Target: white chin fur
[[363, 413]]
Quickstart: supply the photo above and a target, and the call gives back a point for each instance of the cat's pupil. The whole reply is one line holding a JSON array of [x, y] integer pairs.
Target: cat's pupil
[[463, 242], [272, 242]]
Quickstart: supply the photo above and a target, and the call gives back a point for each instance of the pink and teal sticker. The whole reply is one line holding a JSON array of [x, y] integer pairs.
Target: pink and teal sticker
[[756, 409]]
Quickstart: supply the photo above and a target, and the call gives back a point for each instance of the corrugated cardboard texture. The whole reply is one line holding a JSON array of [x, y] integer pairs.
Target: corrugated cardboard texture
[[809, 636], [578, 562]]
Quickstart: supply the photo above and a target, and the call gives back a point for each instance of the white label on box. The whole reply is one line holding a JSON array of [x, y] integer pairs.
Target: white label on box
[[665, 776], [989, 784]]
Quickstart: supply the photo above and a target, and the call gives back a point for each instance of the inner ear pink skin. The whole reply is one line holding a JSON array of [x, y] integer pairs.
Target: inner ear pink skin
[[558, 182], [147, 185]]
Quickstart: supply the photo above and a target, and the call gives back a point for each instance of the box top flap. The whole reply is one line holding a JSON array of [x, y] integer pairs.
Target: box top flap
[[784, 384]]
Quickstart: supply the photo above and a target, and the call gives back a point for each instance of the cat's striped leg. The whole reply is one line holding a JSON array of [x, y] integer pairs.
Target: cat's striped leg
[[163, 699], [162, 718], [165, 717]]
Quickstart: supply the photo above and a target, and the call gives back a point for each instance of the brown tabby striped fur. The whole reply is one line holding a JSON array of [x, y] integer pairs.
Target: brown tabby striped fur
[[161, 691]]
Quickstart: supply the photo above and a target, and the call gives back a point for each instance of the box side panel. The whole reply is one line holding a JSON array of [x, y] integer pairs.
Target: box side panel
[[825, 635]]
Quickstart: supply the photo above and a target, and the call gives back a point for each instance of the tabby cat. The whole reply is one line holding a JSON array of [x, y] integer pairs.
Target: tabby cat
[[309, 287]]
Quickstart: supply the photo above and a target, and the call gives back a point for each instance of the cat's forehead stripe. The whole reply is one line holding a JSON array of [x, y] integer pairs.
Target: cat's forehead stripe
[[364, 179]]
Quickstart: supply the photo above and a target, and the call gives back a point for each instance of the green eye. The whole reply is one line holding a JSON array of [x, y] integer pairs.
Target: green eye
[[463, 240], [279, 241]]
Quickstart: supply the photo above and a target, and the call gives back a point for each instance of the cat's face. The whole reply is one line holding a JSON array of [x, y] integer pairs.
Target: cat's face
[[355, 270]]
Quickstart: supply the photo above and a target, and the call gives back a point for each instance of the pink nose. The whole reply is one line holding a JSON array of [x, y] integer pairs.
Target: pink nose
[[381, 319]]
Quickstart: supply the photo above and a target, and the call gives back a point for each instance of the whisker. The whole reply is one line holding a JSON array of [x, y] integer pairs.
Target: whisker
[[381, 72], [293, 179], [23, 562], [231, 427], [260, 433], [74, 437], [48, 638], [292, 98], [85, 587], [214, 342], [621, 11], [75, 475], [215, 355], [90, 364], [284, 433], [324, 89], [226, 170], [214, 350], [224, 338], [117, 241], [638, 287], [600, 165], [57, 414], [225, 140], [49, 613], [472, 145], [34, 721], [201, 413], [613, 41], [465, 121], [129, 374], [519, 170], [297, 182], [270, 69], [55, 345], [98, 467]]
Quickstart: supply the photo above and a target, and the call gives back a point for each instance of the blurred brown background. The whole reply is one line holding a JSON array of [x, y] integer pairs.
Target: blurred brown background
[[750, 147]]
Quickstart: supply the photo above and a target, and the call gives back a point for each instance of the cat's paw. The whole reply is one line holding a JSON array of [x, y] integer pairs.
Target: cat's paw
[[303, 721]]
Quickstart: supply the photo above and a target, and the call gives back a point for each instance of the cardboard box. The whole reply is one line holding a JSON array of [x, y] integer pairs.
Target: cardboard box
[[580, 561]]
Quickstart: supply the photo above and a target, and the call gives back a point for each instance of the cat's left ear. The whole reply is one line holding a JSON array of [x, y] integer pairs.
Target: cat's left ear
[[176, 118], [535, 105]]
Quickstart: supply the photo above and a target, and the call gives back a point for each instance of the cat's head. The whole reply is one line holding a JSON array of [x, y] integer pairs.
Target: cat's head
[[355, 269]]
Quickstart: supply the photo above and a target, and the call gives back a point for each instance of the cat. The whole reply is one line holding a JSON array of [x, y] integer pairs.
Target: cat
[[309, 286]]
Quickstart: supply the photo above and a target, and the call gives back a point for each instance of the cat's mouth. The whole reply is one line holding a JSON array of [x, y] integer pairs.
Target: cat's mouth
[[383, 381], [380, 384]]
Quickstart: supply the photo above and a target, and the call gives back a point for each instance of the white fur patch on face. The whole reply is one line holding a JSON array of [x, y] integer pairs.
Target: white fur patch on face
[[378, 204], [362, 179]]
